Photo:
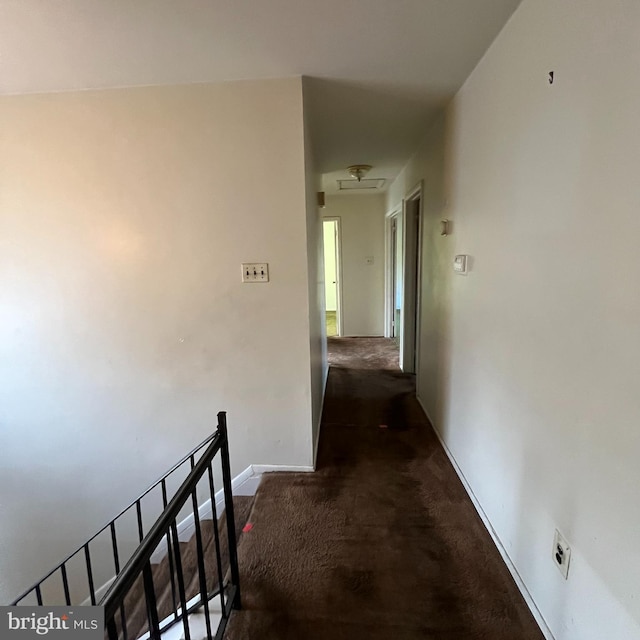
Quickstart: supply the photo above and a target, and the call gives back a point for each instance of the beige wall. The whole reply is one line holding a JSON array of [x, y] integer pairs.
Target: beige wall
[[124, 217], [530, 363], [315, 268], [362, 235]]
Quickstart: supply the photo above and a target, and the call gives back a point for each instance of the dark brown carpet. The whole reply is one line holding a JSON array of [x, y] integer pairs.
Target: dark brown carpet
[[363, 353], [382, 542]]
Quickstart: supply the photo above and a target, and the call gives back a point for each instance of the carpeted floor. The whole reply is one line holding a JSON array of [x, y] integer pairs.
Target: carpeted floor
[[382, 541], [331, 323], [363, 353]]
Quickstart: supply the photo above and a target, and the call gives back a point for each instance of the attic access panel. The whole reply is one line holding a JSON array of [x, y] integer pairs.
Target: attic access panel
[[365, 183]]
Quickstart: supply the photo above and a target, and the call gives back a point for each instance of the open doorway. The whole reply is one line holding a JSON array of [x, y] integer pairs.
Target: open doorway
[[412, 246], [403, 278], [395, 277], [331, 236]]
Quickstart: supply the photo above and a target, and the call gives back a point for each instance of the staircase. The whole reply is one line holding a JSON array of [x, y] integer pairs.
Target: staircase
[[181, 579]]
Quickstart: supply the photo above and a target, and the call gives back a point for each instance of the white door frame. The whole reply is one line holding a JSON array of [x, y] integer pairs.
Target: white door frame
[[389, 275], [412, 280], [337, 220]]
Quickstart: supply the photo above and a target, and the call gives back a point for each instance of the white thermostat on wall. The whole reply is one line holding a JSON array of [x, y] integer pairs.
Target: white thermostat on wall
[[460, 264]]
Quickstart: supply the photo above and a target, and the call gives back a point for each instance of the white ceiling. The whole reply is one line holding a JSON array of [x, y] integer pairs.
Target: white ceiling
[[378, 69]]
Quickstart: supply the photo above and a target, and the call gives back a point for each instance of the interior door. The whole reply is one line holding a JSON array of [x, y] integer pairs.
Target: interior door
[[331, 277], [398, 277]]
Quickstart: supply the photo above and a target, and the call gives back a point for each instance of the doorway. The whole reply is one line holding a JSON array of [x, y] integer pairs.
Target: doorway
[[411, 324], [395, 278], [403, 278], [332, 292]]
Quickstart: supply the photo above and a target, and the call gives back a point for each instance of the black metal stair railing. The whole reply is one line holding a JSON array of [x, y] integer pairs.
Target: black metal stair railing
[[164, 531]]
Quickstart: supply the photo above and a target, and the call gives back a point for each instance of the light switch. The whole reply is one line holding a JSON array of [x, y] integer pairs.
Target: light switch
[[255, 272]]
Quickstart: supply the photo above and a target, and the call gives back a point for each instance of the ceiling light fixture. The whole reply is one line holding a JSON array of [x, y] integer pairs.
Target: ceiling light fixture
[[359, 171]]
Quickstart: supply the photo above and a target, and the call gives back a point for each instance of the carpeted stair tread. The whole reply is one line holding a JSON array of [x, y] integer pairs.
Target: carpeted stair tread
[[135, 603]]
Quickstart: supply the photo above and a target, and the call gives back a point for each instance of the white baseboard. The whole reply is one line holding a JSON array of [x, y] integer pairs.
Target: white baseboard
[[546, 632], [259, 469]]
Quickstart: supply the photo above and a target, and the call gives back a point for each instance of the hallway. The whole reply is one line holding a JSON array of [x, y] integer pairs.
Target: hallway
[[382, 540]]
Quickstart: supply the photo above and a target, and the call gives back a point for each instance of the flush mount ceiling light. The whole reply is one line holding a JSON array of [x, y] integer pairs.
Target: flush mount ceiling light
[[359, 171]]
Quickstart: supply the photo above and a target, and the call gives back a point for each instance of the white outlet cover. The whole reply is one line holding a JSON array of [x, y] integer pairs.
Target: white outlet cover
[[561, 554]]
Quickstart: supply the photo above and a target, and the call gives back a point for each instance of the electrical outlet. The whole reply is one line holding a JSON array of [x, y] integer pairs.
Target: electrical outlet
[[561, 554], [255, 272]]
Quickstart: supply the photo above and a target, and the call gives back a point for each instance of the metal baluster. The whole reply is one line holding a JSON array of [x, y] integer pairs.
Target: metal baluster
[[92, 592], [152, 605], [216, 534], [169, 553], [38, 595], [228, 501], [65, 584], [139, 513], [181, 592], [114, 545], [123, 622], [116, 563], [111, 629], [202, 572]]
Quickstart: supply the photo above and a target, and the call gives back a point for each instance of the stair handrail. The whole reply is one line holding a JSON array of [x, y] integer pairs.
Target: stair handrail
[[139, 563], [214, 443], [35, 585]]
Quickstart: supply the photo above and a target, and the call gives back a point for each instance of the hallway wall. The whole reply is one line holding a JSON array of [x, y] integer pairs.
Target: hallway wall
[[529, 364], [319, 367], [124, 218], [362, 229]]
